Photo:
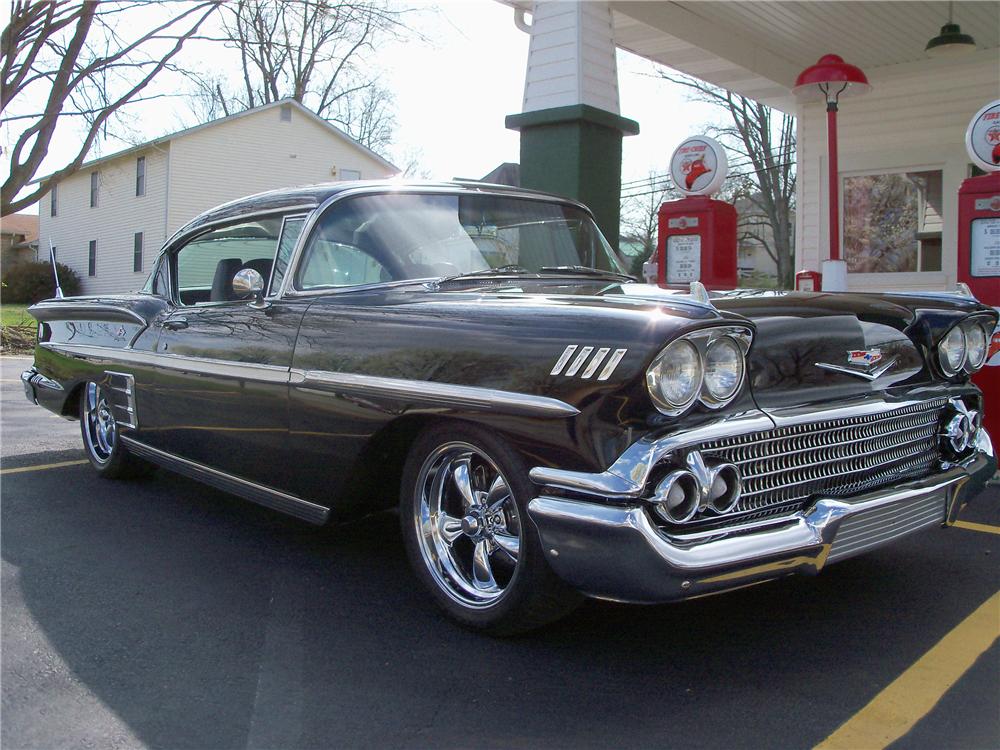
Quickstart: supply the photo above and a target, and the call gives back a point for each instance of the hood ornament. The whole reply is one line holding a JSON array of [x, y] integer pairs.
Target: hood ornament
[[867, 364]]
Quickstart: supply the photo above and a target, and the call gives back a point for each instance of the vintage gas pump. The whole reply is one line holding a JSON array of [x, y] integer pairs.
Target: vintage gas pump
[[697, 234], [979, 242]]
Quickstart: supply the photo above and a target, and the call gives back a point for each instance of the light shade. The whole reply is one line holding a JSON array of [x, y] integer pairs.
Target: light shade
[[830, 73], [950, 41]]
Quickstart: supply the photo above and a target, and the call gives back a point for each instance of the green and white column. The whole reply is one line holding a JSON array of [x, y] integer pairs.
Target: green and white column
[[571, 127]]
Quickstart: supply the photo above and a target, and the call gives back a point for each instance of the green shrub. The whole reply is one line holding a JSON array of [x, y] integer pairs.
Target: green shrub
[[28, 283]]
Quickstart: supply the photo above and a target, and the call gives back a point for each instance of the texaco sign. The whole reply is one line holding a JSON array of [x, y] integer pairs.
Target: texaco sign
[[699, 166], [982, 139]]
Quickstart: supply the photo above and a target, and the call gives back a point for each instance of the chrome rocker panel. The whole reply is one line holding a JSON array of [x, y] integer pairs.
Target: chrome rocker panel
[[614, 552]]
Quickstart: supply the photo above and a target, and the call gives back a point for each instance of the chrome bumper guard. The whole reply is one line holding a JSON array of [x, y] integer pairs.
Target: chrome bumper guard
[[618, 553]]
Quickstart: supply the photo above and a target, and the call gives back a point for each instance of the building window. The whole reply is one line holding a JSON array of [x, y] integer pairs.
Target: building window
[[92, 259], [95, 178], [140, 176], [53, 199], [286, 112], [137, 252], [893, 222], [350, 174]]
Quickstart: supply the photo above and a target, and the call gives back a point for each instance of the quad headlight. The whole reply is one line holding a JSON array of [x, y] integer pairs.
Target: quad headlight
[[977, 343], [675, 377], [952, 350], [965, 346], [707, 366], [724, 365]]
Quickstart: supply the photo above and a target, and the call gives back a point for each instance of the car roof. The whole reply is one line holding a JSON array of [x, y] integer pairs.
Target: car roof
[[308, 197]]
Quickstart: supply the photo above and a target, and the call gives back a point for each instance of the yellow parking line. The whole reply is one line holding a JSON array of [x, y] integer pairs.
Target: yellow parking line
[[978, 527], [41, 467], [893, 712]]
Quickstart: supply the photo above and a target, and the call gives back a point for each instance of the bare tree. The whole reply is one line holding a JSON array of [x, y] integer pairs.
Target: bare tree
[[82, 61], [313, 51], [766, 139], [640, 215]]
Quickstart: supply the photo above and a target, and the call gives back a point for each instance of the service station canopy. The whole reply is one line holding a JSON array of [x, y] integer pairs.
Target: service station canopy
[[758, 48]]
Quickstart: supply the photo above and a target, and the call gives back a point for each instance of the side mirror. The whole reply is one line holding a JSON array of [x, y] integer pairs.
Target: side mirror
[[249, 284]]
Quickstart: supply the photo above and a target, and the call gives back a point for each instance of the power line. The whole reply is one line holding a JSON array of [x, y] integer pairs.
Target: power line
[[728, 177], [665, 176]]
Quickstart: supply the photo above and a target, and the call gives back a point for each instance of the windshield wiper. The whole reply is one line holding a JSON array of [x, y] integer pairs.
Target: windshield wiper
[[512, 268], [585, 270]]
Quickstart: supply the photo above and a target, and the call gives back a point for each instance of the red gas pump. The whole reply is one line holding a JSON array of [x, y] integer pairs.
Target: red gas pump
[[979, 243], [697, 234], [808, 281]]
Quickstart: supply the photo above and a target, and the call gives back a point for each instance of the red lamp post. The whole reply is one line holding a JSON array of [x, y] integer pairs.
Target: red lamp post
[[829, 79]]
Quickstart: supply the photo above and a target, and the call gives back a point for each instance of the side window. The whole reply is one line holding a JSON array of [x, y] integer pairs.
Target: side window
[[205, 266], [286, 245], [334, 264], [158, 281], [345, 249]]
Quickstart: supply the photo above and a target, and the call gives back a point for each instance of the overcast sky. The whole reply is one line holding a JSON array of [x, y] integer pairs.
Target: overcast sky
[[453, 93]]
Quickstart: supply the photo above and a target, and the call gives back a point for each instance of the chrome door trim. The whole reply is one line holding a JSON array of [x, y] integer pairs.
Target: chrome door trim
[[257, 493], [202, 366], [429, 393]]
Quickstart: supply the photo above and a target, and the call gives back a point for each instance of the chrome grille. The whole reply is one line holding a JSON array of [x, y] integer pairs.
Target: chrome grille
[[784, 467], [872, 528]]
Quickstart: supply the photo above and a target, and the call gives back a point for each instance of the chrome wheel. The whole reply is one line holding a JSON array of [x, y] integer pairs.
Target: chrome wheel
[[468, 527], [100, 430]]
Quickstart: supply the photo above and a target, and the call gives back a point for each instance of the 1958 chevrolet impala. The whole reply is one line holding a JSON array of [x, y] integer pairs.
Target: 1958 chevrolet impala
[[549, 426]]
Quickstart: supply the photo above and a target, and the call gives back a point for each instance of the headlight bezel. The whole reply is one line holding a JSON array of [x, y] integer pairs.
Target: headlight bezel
[[983, 322], [701, 341]]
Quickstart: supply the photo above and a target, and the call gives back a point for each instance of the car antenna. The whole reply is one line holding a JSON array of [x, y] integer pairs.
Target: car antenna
[[55, 271]]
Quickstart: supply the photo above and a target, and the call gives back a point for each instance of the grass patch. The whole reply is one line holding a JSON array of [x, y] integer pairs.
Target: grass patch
[[15, 315]]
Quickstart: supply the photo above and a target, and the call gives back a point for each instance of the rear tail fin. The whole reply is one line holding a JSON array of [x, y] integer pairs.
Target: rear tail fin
[[55, 271]]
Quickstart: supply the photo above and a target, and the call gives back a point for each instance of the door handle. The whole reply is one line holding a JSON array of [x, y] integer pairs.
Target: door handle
[[175, 324]]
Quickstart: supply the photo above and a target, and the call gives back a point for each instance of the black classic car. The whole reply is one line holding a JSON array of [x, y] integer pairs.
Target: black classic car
[[548, 426]]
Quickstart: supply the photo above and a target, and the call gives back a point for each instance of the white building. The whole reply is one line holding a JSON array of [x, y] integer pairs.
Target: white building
[[109, 220], [904, 138]]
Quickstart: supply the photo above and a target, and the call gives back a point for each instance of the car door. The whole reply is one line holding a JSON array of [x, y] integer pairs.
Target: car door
[[221, 399]]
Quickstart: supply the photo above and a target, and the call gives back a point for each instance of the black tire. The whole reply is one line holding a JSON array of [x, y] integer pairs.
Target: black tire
[[532, 596], [106, 452]]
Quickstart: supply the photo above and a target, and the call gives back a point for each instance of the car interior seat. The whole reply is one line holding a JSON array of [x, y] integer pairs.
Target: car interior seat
[[222, 284]]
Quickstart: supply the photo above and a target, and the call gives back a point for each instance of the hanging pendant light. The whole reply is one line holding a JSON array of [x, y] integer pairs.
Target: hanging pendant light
[[950, 41]]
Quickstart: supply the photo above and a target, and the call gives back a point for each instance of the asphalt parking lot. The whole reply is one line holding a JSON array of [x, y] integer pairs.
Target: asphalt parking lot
[[164, 614]]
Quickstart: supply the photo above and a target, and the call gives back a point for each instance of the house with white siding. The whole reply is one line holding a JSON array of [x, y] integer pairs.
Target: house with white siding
[[901, 146], [109, 220]]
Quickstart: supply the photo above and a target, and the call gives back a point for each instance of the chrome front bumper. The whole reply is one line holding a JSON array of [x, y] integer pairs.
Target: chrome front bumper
[[616, 551]]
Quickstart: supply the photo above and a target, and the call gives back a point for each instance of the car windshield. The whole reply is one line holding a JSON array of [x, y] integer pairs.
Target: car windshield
[[399, 236]]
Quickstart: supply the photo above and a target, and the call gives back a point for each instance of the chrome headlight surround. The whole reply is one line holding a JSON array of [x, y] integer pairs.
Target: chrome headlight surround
[[733, 356], [952, 350], [700, 341], [978, 333]]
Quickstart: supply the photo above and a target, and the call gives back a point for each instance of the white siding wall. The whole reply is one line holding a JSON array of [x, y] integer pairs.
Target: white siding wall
[[113, 223], [915, 116], [184, 177], [255, 153]]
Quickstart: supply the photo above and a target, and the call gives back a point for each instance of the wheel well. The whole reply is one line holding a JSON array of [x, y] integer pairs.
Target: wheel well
[[374, 482]]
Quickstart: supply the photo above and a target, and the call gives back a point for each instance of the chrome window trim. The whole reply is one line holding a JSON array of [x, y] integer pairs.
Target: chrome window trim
[[430, 393], [284, 222], [287, 289], [185, 236]]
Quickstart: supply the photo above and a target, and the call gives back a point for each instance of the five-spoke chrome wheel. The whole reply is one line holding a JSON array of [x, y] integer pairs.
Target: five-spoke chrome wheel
[[100, 430], [468, 526]]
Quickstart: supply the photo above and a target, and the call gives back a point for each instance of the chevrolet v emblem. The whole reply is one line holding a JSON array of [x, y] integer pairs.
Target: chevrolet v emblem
[[870, 364]]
